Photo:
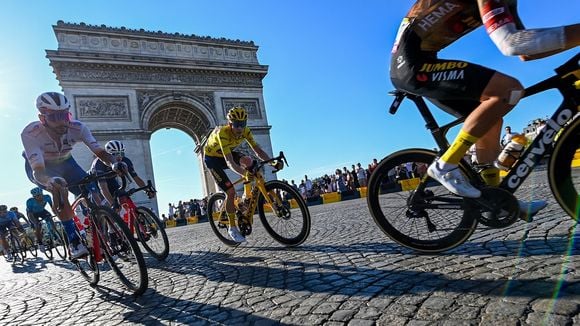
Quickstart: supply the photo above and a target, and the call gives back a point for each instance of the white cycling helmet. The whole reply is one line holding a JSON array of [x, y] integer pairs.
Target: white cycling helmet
[[52, 101], [114, 147]]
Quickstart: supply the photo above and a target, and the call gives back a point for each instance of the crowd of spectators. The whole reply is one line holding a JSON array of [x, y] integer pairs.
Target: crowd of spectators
[[183, 209], [342, 180]]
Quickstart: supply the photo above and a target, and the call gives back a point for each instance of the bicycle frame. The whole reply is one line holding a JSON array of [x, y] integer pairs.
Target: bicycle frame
[[259, 186], [542, 145]]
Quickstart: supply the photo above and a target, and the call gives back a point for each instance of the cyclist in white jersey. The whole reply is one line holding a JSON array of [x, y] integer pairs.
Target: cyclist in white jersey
[[49, 163]]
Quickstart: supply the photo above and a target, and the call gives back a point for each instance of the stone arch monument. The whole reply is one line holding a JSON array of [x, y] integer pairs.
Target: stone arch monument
[[126, 84]]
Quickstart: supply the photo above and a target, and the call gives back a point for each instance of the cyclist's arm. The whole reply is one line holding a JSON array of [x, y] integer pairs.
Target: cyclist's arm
[[139, 181], [260, 152], [104, 188], [48, 200], [255, 147], [507, 32], [233, 165]]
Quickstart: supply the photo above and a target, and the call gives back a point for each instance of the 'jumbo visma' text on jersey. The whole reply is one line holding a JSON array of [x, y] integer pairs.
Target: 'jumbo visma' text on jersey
[[33, 206], [222, 141], [40, 148]]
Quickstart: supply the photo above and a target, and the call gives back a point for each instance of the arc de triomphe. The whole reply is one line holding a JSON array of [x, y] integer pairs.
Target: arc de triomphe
[[126, 84]]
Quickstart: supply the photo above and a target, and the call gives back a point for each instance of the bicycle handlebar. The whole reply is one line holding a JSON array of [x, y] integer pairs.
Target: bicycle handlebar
[[148, 187], [277, 158]]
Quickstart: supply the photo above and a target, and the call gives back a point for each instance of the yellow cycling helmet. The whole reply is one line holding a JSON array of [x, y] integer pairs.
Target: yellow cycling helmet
[[237, 114]]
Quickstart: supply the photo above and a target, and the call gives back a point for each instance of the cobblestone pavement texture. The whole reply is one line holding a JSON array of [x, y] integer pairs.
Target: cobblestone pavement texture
[[347, 273]]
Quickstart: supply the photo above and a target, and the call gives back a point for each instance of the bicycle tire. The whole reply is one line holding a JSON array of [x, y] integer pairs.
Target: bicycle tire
[[147, 221], [215, 209], [57, 242], [564, 171], [120, 250], [382, 191], [87, 265], [31, 246], [48, 246], [16, 249], [283, 215]]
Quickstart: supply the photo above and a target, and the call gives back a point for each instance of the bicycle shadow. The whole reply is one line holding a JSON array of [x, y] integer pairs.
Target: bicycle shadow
[[154, 308], [352, 280], [554, 245]]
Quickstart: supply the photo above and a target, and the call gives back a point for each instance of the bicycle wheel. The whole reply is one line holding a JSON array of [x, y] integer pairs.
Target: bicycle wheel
[[57, 241], [151, 233], [16, 249], [30, 245], [48, 245], [218, 219], [87, 265], [564, 170], [430, 220], [287, 218], [121, 250]]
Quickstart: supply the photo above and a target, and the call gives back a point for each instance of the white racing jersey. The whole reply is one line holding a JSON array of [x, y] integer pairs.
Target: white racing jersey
[[39, 148]]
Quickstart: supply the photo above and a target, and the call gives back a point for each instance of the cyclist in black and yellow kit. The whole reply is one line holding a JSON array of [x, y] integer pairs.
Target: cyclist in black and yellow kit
[[220, 155], [464, 89]]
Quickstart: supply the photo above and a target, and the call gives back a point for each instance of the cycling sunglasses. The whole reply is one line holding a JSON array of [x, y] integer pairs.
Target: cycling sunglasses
[[118, 154], [58, 116], [239, 124]]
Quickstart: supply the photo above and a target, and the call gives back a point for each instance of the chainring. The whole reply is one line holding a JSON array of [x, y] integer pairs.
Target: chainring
[[496, 208], [244, 225]]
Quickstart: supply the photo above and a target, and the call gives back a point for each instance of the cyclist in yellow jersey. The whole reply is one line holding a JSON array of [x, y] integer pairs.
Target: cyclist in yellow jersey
[[481, 95], [220, 154]]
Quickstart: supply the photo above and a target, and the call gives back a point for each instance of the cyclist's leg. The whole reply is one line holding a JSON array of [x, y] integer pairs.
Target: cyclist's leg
[[72, 173], [36, 225], [217, 166]]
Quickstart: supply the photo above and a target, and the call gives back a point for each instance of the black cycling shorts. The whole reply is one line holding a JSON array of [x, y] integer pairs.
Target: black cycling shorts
[[217, 167], [453, 85]]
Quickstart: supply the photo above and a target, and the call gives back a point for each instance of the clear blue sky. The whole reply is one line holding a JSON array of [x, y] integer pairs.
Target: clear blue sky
[[325, 92]]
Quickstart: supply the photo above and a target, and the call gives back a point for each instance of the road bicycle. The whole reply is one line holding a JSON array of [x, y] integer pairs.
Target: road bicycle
[[17, 249], [420, 214], [28, 244], [107, 238], [53, 239], [142, 222], [282, 210]]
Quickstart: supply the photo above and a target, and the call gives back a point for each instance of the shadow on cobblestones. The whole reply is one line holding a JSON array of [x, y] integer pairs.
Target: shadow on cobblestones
[[521, 248], [157, 309], [366, 282]]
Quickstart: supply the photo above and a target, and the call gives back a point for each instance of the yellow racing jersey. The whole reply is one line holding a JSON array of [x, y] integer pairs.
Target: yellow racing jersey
[[222, 141]]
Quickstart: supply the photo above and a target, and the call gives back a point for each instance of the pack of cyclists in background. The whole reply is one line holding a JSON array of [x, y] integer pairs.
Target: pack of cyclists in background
[[8, 220], [220, 154], [109, 186], [465, 89], [48, 160], [35, 210]]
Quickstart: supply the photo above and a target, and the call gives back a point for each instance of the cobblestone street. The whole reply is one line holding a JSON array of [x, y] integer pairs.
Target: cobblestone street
[[347, 273]]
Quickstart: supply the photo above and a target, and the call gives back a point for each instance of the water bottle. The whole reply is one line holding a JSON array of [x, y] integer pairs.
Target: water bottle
[[511, 152]]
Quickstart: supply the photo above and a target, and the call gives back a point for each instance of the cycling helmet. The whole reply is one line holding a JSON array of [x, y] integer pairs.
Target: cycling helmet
[[237, 114], [14, 209], [114, 147], [52, 101], [36, 191]]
